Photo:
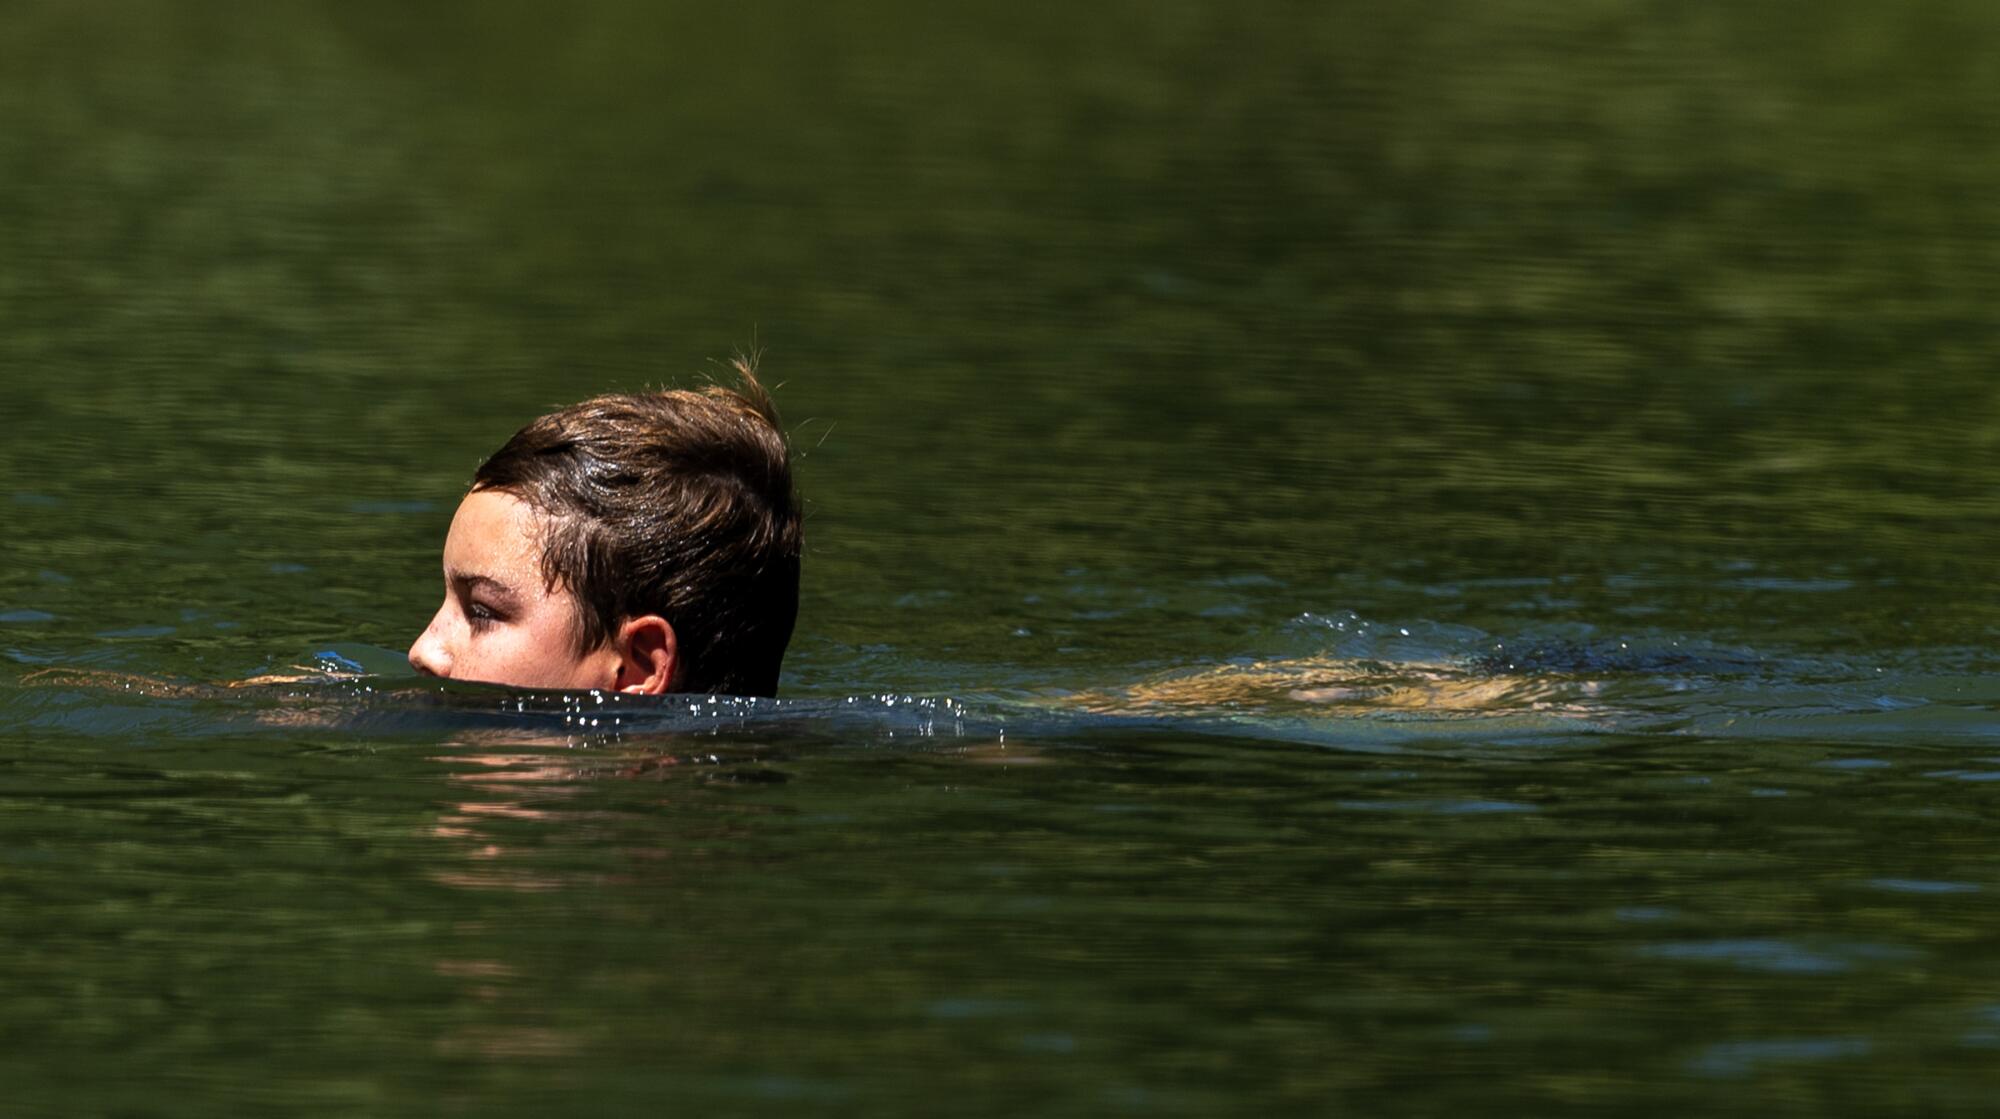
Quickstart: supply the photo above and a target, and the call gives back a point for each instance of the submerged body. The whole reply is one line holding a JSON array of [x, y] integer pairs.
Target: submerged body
[[1350, 684]]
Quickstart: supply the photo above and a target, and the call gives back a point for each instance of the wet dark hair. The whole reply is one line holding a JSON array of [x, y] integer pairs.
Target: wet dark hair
[[677, 503]]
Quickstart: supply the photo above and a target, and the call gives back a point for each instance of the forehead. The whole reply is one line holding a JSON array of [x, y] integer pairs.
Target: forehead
[[494, 534]]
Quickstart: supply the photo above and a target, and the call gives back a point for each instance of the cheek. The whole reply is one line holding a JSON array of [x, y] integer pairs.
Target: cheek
[[537, 652]]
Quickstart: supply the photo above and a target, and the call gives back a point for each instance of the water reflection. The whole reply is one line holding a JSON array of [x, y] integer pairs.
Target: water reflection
[[520, 776], [500, 776], [517, 801], [527, 801]]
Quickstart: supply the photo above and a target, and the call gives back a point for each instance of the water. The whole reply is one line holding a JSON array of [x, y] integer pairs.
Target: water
[[1384, 561]]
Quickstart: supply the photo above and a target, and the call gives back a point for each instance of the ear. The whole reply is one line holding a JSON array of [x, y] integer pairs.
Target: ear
[[648, 655]]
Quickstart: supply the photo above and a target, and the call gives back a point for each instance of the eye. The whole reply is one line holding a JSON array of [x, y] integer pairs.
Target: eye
[[481, 615]]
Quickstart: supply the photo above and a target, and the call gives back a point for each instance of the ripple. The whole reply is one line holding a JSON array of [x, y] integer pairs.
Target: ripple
[[1923, 886], [959, 1009], [392, 506], [138, 631], [1740, 1058], [1771, 955], [1439, 807], [1645, 913]]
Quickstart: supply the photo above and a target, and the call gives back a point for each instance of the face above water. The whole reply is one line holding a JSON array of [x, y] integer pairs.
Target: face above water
[[500, 622]]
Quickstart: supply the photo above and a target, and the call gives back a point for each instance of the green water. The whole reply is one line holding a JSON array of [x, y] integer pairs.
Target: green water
[[1642, 355]]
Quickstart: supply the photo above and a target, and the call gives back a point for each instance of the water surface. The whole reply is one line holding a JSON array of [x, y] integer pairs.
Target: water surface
[[1628, 366]]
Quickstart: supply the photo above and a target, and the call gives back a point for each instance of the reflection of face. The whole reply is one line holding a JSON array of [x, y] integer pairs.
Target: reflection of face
[[501, 623]]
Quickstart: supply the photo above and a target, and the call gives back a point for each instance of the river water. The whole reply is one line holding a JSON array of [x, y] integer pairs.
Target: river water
[[1360, 560]]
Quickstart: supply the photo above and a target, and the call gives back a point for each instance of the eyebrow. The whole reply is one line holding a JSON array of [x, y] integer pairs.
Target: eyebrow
[[470, 581]]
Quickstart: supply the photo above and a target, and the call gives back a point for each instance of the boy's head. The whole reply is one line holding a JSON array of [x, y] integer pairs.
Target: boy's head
[[638, 542]]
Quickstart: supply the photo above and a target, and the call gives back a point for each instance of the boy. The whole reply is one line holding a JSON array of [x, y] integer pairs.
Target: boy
[[643, 542]]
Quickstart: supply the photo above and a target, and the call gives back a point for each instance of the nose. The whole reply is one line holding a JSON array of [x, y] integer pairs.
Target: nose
[[428, 654]]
